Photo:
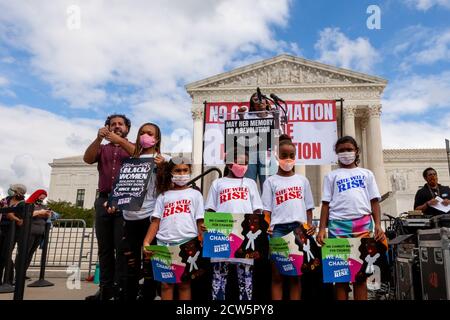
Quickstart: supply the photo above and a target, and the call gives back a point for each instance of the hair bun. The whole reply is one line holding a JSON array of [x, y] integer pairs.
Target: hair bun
[[284, 137]]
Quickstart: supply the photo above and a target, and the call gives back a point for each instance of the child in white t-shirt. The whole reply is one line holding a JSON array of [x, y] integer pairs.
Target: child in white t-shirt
[[233, 194], [288, 199], [350, 200], [178, 213]]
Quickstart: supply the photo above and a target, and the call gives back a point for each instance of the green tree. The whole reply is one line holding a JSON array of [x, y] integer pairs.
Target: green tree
[[68, 210]]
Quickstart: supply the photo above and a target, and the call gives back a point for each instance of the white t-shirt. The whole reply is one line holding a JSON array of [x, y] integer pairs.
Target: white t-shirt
[[149, 201], [287, 198], [233, 195], [179, 211], [349, 192]]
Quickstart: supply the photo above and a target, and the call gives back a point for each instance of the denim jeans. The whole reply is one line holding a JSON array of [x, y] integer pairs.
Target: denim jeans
[[282, 229]]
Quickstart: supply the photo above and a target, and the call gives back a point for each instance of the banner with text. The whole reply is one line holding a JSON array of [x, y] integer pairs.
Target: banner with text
[[295, 253], [235, 235], [354, 260], [130, 186], [311, 125], [175, 264]]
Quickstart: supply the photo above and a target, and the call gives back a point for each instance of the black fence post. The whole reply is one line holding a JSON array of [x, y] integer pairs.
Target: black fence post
[[205, 103], [42, 282], [23, 251], [7, 286]]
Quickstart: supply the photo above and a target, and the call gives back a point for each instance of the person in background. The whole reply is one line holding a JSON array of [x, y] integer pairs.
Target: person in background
[[260, 163], [16, 195], [109, 227], [40, 215], [426, 196]]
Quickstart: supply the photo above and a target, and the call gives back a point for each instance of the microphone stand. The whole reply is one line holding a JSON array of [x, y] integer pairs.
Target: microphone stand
[[284, 118]]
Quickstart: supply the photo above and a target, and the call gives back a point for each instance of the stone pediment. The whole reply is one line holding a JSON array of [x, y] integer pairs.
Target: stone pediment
[[282, 71], [414, 155]]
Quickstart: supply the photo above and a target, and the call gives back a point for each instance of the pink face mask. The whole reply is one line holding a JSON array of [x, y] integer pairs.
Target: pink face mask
[[239, 170], [286, 164], [147, 141]]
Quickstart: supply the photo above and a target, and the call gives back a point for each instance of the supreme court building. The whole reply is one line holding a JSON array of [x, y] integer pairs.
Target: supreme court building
[[398, 172]]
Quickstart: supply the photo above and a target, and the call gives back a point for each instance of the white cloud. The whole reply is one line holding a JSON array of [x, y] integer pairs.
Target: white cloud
[[435, 49], [335, 48], [139, 54], [5, 87], [410, 38], [417, 94], [419, 45], [424, 5], [32, 138], [415, 112], [398, 134], [3, 81], [153, 46], [7, 60]]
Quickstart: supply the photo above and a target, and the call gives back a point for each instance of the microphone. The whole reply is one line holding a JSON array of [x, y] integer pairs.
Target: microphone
[[276, 98], [258, 91]]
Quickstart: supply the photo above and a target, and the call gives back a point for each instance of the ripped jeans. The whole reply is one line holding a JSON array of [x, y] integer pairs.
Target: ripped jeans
[[136, 267]]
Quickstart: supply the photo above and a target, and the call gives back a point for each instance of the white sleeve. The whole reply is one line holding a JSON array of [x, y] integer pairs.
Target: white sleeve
[[211, 201], [254, 196], [328, 188], [159, 207], [267, 196], [166, 157], [199, 207], [372, 187], [309, 200]]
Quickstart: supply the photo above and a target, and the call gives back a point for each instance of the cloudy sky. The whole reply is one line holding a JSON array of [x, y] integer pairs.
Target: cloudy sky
[[65, 65]]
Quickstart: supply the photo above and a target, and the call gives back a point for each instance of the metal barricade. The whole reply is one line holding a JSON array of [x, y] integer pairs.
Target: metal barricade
[[65, 244], [25, 212], [93, 252]]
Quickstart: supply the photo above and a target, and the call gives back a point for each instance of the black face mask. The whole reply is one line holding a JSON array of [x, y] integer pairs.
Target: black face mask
[[19, 197], [39, 201]]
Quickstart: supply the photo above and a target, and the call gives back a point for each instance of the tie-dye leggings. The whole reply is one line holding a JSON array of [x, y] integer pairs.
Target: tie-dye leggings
[[220, 275]]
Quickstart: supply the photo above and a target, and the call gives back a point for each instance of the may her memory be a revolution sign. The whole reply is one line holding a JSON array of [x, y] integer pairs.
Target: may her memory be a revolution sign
[[250, 133], [130, 186]]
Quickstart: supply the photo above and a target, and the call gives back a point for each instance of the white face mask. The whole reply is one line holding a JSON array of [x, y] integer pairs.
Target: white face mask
[[347, 158], [181, 179], [286, 164]]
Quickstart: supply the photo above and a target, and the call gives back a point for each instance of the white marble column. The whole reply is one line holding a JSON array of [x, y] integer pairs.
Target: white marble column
[[323, 170], [349, 121], [375, 147], [197, 140], [300, 169], [363, 143]]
